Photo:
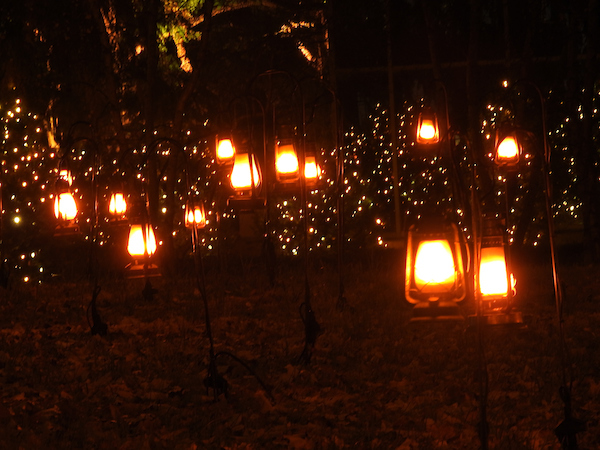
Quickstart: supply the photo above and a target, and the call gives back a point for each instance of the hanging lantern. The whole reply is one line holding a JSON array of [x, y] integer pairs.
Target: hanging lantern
[[495, 280], [117, 206], [493, 277], [195, 215], [508, 149], [65, 207], [66, 176], [312, 170], [225, 150], [434, 267], [242, 179], [286, 163], [435, 273], [428, 131], [141, 241], [496, 284]]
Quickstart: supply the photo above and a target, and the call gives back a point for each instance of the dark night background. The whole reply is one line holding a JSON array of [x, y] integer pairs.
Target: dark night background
[[136, 92]]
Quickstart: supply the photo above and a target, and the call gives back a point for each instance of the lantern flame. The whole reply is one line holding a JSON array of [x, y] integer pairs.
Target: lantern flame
[[287, 160], [434, 266], [65, 174], [140, 243], [427, 130], [493, 274], [225, 150], [508, 150], [195, 216], [118, 204], [65, 207], [241, 178], [312, 171]]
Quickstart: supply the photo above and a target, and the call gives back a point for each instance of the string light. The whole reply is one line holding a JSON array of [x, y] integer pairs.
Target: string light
[[29, 169]]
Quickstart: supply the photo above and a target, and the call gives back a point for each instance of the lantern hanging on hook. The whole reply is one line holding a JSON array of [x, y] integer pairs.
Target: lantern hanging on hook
[[243, 178], [65, 206], [428, 130], [225, 150], [287, 167], [435, 272], [117, 204], [195, 214], [141, 244], [508, 148]]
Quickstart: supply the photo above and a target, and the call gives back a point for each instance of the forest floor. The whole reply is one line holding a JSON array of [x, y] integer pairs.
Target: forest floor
[[375, 379]]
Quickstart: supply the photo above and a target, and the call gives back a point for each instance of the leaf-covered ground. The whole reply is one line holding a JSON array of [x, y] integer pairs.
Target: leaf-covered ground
[[375, 379]]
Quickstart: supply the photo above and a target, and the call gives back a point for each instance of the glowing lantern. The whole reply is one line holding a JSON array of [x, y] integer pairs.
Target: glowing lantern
[[225, 150], [141, 241], [312, 171], [195, 216], [508, 150], [434, 269], [117, 205], [65, 175], [286, 162], [493, 277], [65, 207], [428, 131], [435, 274], [242, 179]]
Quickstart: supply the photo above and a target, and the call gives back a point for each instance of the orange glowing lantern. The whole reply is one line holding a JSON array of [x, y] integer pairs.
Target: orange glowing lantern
[[428, 131], [117, 205], [434, 269], [312, 170], [435, 273], [66, 176], [195, 215], [65, 207], [142, 241], [493, 276], [225, 150], [242, 178], [497, 286], [508, 150], [286, 163]]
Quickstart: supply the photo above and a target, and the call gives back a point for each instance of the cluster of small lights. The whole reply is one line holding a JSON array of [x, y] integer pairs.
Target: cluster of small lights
[[25, 170], [29, 170], [562, 132]]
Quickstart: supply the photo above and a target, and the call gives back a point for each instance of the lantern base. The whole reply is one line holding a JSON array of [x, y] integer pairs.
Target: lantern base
[[135, 271], [70, 229], [246, 203], [117, 221], [498, 318], [439, 311]]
